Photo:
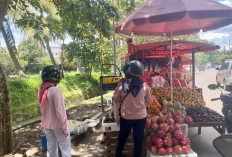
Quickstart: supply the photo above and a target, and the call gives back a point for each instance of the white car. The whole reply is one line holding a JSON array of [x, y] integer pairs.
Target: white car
[[224, 75]]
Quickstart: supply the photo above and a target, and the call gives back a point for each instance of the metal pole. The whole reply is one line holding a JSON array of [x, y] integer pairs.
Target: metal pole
[[193, 68], [114, 49], [171, 67]]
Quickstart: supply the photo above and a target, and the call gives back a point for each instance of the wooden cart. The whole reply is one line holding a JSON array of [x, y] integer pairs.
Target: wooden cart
[[111, 141], [219, 126]]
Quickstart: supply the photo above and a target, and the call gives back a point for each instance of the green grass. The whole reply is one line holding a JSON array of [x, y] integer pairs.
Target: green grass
[[75, 88]]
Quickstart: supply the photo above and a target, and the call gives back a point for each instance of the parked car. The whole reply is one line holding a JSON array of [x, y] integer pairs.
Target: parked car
[[201, 67], [224, 75]]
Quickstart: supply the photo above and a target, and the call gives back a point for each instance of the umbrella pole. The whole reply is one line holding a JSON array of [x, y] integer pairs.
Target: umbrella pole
[[171, 67]]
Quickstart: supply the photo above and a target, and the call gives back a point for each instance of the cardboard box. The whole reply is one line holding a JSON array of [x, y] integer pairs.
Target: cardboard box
[[108, 127]]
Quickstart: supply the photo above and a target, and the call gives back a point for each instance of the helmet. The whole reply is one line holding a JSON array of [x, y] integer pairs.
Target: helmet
[[50, 73], [133, 69]]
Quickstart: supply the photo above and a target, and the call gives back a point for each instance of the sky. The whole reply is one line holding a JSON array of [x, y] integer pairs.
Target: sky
[[220, 36]]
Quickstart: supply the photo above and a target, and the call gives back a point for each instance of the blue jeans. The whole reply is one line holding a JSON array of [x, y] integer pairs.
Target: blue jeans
[[138, 126]]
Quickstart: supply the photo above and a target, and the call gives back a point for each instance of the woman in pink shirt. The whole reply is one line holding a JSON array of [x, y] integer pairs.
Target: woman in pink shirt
[[134, 94], [54, 118]]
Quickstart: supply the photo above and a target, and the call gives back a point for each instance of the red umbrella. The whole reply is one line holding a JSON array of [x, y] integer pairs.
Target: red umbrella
[[187, 17]]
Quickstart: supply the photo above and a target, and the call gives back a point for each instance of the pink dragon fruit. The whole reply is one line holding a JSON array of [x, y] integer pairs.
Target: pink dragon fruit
[[154, 119], [168, 135], [178, 134], [170, 121], [153, 140], [172, 128], [159, 142], [168, 142], [169, 150], [154, 149], [149, 145], [154, 126], [188, 119], [177, 149], [148, 123], [169, 115], [179, 119], [177, 126], [175, 141], [160, 133], [183, 141], [185, 150], [164, 127], [177, 113], [162, 151], [162, 119]]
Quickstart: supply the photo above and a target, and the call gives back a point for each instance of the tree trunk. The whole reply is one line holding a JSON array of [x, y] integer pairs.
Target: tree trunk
[[50, 53], [4, 4], [6, 132], [9, 40]]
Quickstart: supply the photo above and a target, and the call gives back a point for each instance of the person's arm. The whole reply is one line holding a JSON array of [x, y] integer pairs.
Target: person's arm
[[60, 109], [117, 93], [148, 96]]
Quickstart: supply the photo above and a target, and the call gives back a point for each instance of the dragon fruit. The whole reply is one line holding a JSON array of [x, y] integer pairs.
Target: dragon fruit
[[148, 138], [183, 141], [164, 127], [162, 151], [170, 121], [172, 128], [162, 119], [179, 119], [155, 126], [154, 119], [148, 123], [175, 141], [178, 134], [177, 113], [168, 142], [169, 115], [177, 126], [188, 119], [160, 133], [154, 149], [168, 135], [177, 149], [159, 142], [169, 150], [149, 145], [185, 150]]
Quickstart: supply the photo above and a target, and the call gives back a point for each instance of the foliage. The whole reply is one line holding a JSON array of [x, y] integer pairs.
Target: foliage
[[30, 51], [24, 93], [6, 60]]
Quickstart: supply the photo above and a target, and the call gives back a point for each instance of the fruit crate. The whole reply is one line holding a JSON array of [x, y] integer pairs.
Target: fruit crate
[[78, 127], [184, 128], [191, 154], [111, 142], [108, 127]]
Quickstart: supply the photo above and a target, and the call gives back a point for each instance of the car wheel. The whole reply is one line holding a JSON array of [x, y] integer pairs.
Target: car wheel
[[225, 86]]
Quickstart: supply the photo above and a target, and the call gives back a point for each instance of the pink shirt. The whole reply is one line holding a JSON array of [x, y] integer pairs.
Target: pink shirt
[[54, 112], [133, 107]]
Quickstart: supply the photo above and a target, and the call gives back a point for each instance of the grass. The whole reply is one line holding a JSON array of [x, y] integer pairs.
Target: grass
[[75, 89]]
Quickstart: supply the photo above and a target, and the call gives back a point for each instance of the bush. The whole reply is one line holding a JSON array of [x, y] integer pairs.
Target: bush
[[24, 93]]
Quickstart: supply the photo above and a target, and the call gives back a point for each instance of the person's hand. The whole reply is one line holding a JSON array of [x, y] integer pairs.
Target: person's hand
[[65, 133]]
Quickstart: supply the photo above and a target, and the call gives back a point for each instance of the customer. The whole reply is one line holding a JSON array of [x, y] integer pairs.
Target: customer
[[54, 118], [133, 94]]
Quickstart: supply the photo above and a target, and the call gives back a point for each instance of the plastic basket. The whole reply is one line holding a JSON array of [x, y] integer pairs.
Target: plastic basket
[[77, 127]]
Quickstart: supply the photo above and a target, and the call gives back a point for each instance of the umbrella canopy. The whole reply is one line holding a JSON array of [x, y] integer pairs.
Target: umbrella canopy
[[187, 17], [163, 48], [186, 60]]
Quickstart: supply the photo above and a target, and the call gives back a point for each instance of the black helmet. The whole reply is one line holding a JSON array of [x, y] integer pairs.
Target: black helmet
[[133, 69], [50, 73]]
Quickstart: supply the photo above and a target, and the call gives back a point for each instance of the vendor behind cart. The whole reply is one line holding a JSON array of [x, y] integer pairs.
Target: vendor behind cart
[[133, 94]]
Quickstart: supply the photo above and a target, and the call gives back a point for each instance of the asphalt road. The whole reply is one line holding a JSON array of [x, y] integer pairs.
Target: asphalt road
[[202, 144]]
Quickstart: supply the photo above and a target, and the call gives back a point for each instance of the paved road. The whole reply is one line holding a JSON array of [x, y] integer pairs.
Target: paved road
[[202, 144]]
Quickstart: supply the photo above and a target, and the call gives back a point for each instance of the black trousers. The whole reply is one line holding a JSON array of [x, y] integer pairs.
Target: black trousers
[[138, 126]]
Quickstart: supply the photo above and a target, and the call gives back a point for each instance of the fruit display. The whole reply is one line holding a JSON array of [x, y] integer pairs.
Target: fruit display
[[187, 96], [169, 106], [109, 119], [203, 114], [165, 136], [154, 108]]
